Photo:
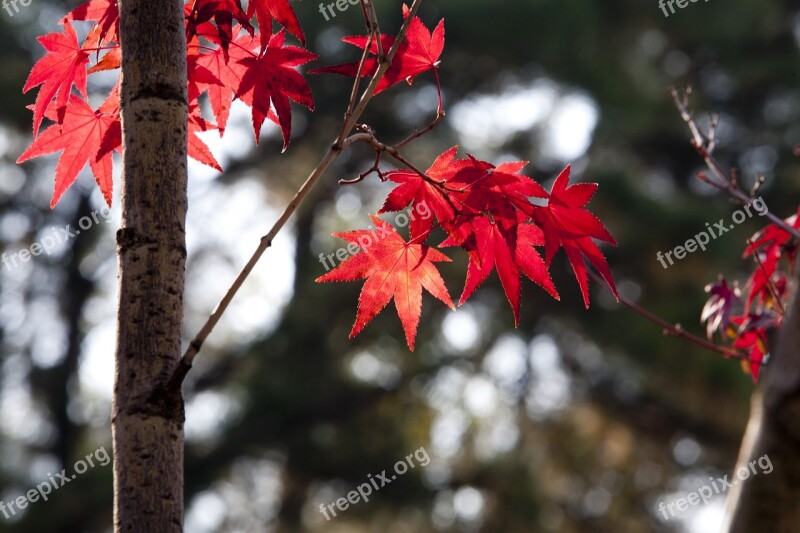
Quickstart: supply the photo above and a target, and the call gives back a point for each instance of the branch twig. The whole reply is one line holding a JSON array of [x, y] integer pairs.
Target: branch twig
[[675, 330], [705, 144], [439, 115], [354, 112]]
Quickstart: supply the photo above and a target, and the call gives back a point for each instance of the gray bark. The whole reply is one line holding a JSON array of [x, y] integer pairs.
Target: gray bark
[[147, 416], [769, 502]]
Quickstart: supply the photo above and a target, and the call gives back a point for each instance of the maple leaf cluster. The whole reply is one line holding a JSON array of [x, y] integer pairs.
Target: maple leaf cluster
[[418, 53], [228, 58], [503, 219], [487, 211], [769, 288]]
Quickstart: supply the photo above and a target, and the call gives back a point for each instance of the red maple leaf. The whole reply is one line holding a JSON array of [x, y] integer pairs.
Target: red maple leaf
[[508, 250], [418, 53], [413, 189], [567, 225], [764, 277], [105, 13], [223, 12], [774, 235], [528, 259], [769, 246], [197, 149], [86, 136], [56, 72], [273, 78], [110, 61], [752, 337], [458, 189], [280, 10], [500, 191], [393, 268], [461, 189], [210, 71]]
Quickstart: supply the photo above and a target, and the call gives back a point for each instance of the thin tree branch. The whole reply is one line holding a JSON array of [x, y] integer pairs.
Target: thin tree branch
[[360, 72], [675, 330], [341, 142], [368, 136], [704, 144]]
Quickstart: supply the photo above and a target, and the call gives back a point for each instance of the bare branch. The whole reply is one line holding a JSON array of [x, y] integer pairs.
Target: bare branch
[[705, 144]]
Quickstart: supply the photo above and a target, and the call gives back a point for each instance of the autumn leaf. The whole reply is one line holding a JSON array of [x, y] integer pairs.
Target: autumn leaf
[[508, 250], [774, 235], [280, 10], [63, 66], [223, 12], [110, 61], [484, 209], [719, 308], [273, 78], [567, 225], [105, 13], [762, 280], [86, 136], [211, 72], [501, 191], [769, 246], [418, 53], [465, 187], [752, 336], [413, 189], [529, 261], [197, 149], [393, 268]]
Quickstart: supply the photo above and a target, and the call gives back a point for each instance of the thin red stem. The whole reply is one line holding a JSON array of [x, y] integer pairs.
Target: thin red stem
[[675, 330]]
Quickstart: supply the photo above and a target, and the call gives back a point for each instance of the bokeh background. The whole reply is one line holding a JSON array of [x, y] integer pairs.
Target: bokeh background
[[576, 421]]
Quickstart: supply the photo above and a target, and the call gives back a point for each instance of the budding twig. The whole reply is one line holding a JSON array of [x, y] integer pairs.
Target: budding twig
[[704, 144]]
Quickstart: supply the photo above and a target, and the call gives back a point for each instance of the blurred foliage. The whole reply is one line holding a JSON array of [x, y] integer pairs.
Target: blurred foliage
[[579, 420]]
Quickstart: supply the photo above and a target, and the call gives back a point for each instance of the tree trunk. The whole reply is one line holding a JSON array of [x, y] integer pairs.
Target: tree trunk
[[147, 417], [768, 502]]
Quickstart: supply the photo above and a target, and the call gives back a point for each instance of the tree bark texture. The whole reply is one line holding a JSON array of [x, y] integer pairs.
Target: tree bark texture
[[147, 417], [768, 503]]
